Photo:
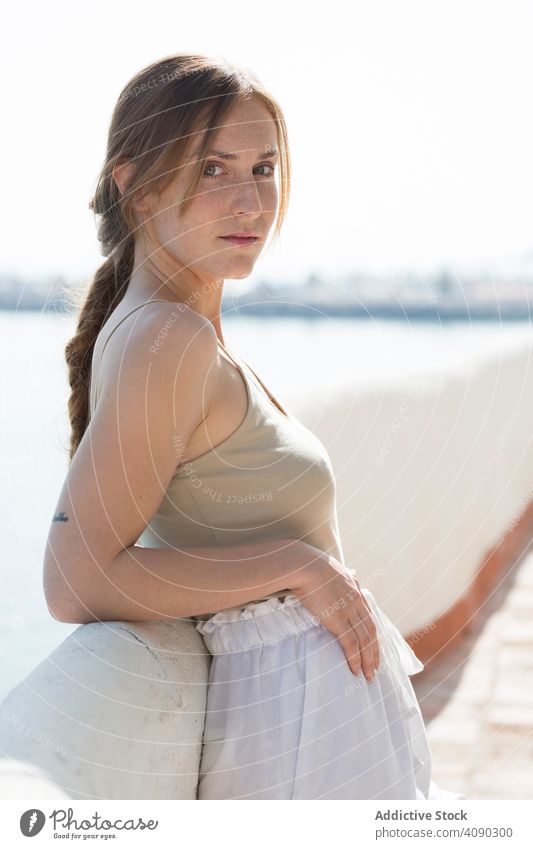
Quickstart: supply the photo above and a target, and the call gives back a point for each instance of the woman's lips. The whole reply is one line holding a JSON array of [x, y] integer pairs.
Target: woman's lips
[[238, 240]]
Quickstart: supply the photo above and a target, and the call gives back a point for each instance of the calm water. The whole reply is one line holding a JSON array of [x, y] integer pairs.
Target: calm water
[[292, 356]]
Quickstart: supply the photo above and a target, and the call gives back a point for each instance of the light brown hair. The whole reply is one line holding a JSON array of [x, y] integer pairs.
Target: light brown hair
[[154, 119]]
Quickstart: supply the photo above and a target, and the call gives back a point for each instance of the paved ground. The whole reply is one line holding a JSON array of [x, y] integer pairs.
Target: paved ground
[[477, 702]]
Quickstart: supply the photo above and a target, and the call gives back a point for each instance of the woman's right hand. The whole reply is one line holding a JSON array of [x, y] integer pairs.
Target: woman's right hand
[[335, 598]]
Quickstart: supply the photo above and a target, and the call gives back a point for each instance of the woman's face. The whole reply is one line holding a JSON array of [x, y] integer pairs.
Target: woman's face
[[235, 195]]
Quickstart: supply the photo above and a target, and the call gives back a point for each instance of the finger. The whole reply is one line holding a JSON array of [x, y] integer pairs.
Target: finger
[[366, 616], [350, 646], [365, 648], [373, 637]]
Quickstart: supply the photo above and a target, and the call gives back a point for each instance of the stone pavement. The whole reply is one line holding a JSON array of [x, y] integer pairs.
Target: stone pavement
[[477, 700]]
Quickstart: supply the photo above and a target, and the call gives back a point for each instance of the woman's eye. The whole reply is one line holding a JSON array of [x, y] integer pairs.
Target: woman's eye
[[266, 165], [216, 165], [211, 165]]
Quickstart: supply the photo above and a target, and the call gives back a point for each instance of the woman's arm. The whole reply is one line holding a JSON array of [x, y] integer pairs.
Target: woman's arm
[[158, 583], [151, 400]]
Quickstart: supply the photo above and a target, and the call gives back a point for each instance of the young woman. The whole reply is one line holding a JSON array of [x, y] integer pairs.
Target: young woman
[[178, 442]]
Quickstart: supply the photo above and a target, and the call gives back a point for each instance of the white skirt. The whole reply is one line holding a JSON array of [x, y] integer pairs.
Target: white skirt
[[286, 718]]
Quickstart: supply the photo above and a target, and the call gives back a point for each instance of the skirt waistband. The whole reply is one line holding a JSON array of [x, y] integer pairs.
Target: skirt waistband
[[257, 623], [267, 622]]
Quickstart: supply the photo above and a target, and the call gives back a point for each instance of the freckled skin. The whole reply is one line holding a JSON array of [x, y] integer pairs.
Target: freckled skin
[[232, 196]]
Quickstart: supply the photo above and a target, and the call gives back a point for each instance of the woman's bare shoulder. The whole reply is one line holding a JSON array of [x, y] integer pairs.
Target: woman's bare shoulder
[[160, 330]]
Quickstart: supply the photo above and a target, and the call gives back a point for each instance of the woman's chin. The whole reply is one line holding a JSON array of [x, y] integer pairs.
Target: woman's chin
[[237, 269]]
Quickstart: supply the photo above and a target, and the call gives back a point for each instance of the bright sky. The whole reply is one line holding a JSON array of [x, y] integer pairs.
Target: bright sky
[[410, 125]]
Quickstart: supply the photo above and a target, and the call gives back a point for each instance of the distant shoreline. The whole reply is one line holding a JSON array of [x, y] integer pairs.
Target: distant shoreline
[[497, 311]]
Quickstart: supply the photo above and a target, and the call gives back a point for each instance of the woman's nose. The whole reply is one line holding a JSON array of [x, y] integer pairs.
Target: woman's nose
[[245, 198]]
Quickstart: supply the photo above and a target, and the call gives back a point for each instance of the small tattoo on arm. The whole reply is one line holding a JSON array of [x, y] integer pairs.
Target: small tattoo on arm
[[60, 517]]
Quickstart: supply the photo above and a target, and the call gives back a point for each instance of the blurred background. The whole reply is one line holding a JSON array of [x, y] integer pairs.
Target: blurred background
[[407, 250]]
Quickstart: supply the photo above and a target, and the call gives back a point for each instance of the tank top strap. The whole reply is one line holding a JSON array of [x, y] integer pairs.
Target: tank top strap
[[260, 382], [95, 373], [268, 392]]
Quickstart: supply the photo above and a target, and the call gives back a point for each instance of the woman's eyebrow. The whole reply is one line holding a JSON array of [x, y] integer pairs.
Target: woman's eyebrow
[[269, 152]]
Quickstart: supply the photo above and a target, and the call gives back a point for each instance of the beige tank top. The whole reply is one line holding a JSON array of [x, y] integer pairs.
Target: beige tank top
[[271, 478]]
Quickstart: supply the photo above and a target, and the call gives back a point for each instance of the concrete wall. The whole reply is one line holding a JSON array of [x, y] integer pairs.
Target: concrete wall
[[430, 474], [115, 712]]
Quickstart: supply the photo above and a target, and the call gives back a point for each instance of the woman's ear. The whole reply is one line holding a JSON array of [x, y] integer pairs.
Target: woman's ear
[[121, 175]]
